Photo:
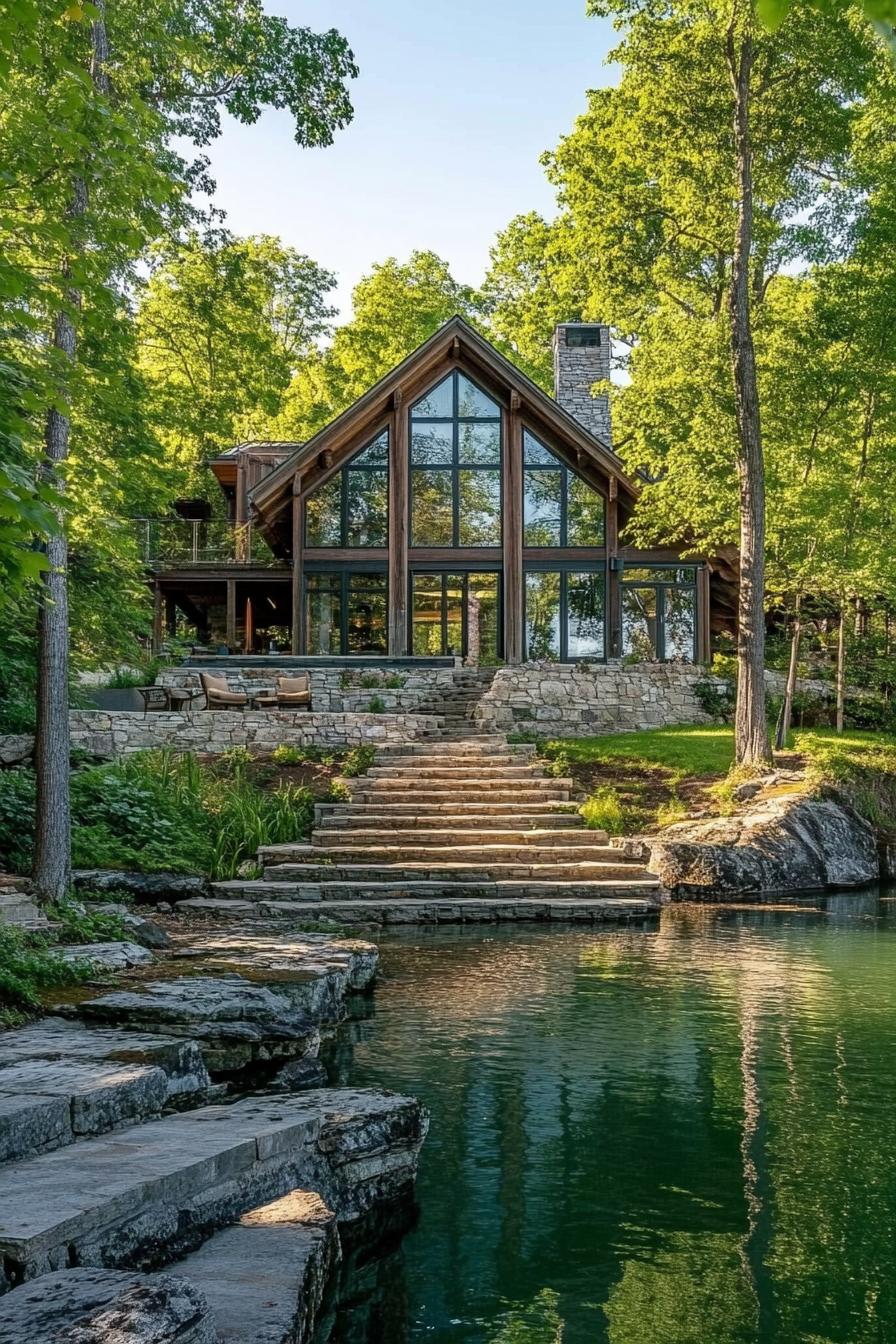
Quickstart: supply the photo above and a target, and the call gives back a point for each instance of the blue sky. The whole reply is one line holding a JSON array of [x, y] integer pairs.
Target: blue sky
[[454, 104]]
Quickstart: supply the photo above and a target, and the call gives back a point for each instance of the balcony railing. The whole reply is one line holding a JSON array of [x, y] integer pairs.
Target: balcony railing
[[172, 542]]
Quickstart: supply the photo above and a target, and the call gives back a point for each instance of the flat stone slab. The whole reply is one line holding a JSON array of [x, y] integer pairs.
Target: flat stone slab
[[138, 1198], [106, 956], [316, 970], [620, 910], [102, 1306], [265, 1278], [237, 1023]]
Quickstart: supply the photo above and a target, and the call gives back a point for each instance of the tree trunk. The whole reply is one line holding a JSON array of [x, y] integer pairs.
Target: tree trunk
[[841, 668], [787, 709], [52, 836], [751, 736]]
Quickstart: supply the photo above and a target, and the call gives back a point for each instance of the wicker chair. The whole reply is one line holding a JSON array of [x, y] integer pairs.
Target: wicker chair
[[294, 692], [218, 694]]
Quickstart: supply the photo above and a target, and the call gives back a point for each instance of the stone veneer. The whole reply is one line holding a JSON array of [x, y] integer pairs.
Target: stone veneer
[[564, 700], [107, 733], [328, 695], [576, 370]]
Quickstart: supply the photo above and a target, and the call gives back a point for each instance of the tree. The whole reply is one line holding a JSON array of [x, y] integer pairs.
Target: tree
[[90, 111], [222, 325], [719, 159]]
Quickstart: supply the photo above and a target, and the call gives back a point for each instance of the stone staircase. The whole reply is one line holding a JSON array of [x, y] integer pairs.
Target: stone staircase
[[136, 1203], [465, 829], [457, 707]]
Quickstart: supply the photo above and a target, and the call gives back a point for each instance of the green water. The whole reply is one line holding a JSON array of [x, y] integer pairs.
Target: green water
[[682, 1136]]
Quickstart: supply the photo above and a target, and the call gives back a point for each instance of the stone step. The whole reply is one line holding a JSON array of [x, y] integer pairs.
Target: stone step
[[467, 749], [478, 771], [458, 809], [17, 908], [141, 1198], [434, 870], [483, 853], [376, 819], [323, 893], [623, 908], [467, 838], [532, 786]]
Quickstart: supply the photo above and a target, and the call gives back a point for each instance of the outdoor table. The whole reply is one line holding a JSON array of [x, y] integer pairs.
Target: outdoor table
[[166, 697]]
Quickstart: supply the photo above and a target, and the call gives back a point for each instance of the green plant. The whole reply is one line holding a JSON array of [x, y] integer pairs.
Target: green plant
[[306, 755], [27, 967], [235, 761], [358, 760], [559, 766], [716, 696], [124, 678], [395, 681], [339, 792], [17, 794], [668, 813], [377, 705], [76, 924], [603, 811]]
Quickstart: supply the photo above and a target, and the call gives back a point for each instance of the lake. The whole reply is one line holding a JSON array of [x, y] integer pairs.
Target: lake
[[678, 1135]]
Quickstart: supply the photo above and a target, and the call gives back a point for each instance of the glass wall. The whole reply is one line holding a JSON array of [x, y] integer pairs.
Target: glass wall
[[345, 612], [456, 613], [559, 508], [455, 448], [565, 614], [659, 613], [352, 507]]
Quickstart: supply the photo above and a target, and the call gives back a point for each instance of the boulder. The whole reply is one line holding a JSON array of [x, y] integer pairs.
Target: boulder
[[15, 748], [105, 1306], [118, 956], [146, 888], [785, 844]]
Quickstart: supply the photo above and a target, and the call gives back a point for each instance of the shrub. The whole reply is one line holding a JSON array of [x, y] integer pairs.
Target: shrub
[[603, 811], [310, 755], [668, 813], [358, 760], [16, 820], [395, 681], [27, 967], [76, 924], [377, 705], [716, 699]]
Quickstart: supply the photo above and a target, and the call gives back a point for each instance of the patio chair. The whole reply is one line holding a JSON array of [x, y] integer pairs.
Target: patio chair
[[218, 694], [294, 692]]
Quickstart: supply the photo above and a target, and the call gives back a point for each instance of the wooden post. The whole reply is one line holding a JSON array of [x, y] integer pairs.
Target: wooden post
[[297, 633], [241, 548], [704, 633], [614, 603], [250, 626], [399, 476], [170, 615], [156, 618], [514, 595], [231, 613]]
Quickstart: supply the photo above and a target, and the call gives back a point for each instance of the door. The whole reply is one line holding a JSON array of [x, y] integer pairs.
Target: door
[[455, 612]]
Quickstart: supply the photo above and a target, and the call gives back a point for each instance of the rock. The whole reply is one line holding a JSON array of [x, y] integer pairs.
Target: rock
[[300, 1074], [236, 1023], [106, 956], [15, 748], [147, 888], [794, 843], [104, 1306], [141, 930], [742, 793]]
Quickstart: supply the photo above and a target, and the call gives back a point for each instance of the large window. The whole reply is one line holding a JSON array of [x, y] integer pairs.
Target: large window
[[345, 612], [457, 613], [455, 452], [352, 507], [565, 614], [659, 613], [559, 508]]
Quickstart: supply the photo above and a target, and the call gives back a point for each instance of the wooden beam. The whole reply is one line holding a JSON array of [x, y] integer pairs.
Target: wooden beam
[[241, 516], [170, 615], [250, 626], [230, 631], [704, 628], [614, 593], [512, 534], [297, 632], [156, 618], [399, 506]]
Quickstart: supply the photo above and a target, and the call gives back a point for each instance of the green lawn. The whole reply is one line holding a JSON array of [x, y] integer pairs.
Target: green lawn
[[686, 751]]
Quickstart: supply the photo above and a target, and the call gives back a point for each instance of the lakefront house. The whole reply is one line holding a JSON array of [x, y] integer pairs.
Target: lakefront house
[[453, 509]]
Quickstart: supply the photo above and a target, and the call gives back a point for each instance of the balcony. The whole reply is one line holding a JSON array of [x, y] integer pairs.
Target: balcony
[[172, 543]]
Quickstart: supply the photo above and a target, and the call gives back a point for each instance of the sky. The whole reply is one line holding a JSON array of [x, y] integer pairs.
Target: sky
[[454, 103]]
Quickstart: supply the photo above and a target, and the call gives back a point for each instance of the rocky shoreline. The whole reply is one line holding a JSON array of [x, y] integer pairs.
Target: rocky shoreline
[[171, 1168]]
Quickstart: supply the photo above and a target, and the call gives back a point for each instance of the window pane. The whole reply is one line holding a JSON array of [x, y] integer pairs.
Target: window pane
[[438, 402], [480, 508], [323, 514], [480, 443], [375, 454], [535, 454], [584, 514], [323, 608], [367, 613], [431, 445], [541, 507], [431, 508], [687, 574], [472, 401], [680, 622], [639, 628], [368, 494], [454, 606], [427, 614], [585, 615], [543, 616], [482, 617]]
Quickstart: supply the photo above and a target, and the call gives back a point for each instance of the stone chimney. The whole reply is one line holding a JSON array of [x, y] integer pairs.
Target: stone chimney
[[582, 358]]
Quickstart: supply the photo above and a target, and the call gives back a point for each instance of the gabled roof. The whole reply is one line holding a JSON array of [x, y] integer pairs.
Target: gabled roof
[[270, 493]]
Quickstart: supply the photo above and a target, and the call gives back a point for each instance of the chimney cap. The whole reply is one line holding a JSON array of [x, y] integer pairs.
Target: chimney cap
[[579, 334]]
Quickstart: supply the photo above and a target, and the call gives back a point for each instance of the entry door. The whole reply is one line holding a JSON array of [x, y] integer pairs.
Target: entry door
[[456, 612]]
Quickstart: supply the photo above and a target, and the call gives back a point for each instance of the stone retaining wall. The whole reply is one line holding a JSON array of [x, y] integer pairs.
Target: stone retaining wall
[[328, 694], [112, 734], [568, 701]]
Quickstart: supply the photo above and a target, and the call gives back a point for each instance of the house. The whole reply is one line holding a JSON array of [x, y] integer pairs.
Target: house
[[455, 508]]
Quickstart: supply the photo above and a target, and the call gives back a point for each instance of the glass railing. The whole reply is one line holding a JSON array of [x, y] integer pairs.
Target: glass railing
[[171, 542]]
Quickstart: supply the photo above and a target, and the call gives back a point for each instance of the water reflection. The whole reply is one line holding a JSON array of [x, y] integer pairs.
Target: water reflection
[[643, 1138]]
